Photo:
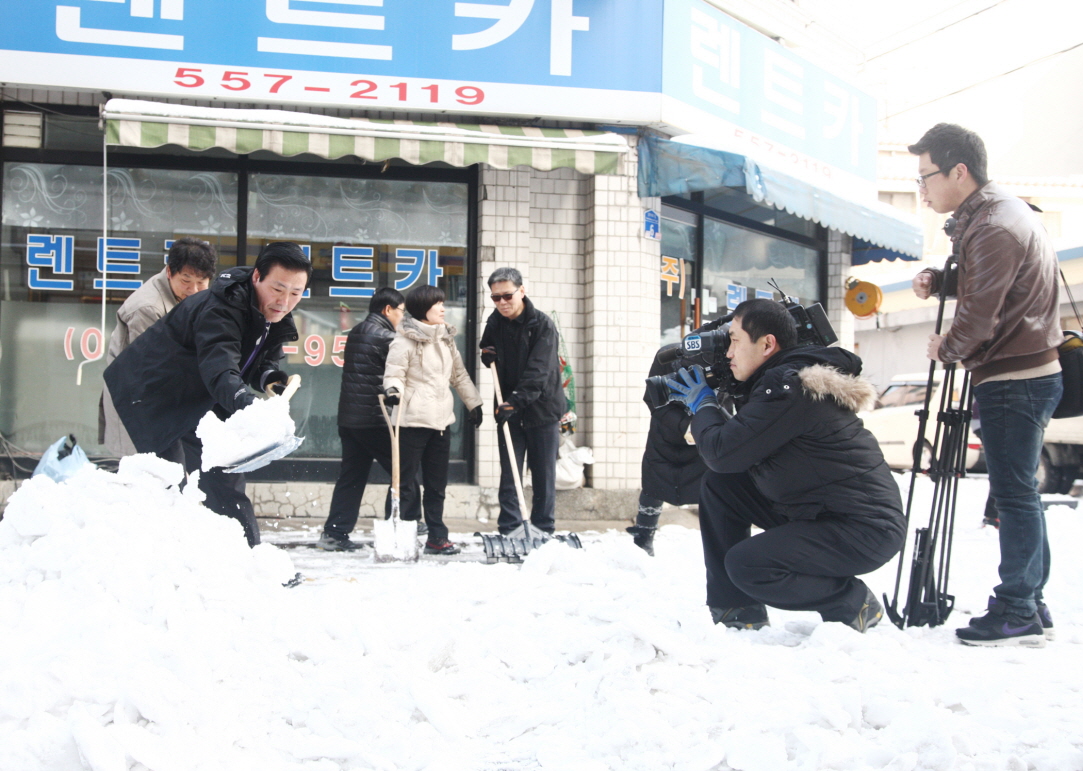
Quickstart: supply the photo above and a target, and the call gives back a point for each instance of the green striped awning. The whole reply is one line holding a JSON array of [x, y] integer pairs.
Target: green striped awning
[[133, 123]]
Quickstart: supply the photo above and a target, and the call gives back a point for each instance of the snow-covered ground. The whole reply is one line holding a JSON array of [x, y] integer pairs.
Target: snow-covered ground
[[138, 631]]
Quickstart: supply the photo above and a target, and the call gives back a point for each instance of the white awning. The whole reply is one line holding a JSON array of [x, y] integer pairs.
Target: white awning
[[133, 123]]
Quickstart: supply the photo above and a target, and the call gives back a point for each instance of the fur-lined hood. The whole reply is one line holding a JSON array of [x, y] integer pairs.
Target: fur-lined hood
[[850, 391], [822, 372]]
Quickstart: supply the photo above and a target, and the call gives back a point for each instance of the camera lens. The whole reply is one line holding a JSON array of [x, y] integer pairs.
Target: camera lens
[[658, 393]]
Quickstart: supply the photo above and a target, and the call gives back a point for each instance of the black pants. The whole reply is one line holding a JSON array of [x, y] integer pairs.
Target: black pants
[[793, 565], [428, 450], [360, 447], [225, 492], [539, 445]]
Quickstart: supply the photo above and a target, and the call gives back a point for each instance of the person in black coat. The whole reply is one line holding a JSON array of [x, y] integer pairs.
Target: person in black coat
[[361, 426], [672, 467], [796, 461], [523, 342], [205, 354]]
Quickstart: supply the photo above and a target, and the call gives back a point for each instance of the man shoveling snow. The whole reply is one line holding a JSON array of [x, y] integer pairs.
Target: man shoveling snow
[[206, 354]]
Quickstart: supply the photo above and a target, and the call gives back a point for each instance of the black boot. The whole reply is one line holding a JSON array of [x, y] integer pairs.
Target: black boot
[[646, 523], [643, 537]]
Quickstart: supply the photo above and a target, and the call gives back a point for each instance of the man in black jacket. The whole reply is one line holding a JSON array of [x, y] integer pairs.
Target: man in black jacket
[[361, 426], [796, 461], [523, 342], [205, 354]]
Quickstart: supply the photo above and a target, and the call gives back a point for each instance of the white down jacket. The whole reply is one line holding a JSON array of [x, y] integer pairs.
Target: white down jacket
[[421, 363]]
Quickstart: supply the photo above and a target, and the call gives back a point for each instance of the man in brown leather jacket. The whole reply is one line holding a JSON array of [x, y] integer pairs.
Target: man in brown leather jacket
[[1005, 332]]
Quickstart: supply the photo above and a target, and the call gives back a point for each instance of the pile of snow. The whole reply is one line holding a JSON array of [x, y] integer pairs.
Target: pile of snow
[[139, 632], [261, 425]]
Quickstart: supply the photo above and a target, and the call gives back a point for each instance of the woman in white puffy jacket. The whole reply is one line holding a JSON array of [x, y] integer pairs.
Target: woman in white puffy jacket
[[423, 364]]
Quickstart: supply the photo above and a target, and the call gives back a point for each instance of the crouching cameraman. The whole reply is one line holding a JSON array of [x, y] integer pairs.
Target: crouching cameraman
[[796, 461]]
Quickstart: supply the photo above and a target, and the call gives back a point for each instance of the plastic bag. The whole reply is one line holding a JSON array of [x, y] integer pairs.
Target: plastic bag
[[63, 458], [570, 464]]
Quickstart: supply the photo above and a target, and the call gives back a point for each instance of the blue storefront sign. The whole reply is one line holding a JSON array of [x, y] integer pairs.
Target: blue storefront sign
[[759, 99], [683, 64], [485, 56]]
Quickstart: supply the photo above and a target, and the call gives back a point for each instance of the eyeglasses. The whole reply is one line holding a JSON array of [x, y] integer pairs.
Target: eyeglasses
[[505, 297], [921, 180]]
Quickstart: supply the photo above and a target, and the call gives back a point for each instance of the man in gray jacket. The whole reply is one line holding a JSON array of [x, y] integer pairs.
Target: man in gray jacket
[[1005, 333], [189, 269]]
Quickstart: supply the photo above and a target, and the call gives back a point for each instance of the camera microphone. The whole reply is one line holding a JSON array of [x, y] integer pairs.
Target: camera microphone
[[669, 353]]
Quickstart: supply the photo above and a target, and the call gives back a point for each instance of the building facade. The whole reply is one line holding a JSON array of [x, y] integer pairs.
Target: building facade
[[544, 144]]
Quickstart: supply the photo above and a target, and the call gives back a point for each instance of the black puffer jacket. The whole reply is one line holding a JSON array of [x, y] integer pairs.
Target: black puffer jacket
[[672, 468], [190, 361], [363, 372], [528, 364], [796, 434]]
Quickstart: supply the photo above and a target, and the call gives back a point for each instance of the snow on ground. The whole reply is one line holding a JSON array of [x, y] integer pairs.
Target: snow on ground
[[137, 631]]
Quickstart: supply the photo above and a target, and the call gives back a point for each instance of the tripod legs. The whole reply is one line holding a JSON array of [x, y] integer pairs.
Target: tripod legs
[[927, 599]]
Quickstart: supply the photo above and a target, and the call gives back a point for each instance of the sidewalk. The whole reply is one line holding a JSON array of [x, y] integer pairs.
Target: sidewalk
[[670, 516]]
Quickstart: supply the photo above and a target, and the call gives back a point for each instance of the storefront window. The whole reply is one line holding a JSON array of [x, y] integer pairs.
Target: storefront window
[[678, 273], [739, 263], [51, 246], [360, 234]]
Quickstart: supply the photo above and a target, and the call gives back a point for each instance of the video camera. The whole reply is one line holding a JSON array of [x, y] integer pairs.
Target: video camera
[[707, 347]]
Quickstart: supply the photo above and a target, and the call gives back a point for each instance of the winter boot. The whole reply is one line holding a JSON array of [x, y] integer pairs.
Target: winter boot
[[646, 523], [1003, 625], [441, 547], [748, 617], [870, 614], [331, 543]]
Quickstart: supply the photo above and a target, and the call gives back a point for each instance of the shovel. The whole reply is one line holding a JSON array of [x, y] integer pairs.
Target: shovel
[[394, 539], [518, 543], [275, 451]]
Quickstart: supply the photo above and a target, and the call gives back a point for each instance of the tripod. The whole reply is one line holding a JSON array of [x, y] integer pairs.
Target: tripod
[[927, 598]]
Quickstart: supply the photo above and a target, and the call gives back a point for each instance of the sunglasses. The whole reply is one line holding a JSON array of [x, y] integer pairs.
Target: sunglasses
[[505, 297]]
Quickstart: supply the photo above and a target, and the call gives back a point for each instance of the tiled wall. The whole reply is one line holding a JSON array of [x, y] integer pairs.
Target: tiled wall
[[577, 242]]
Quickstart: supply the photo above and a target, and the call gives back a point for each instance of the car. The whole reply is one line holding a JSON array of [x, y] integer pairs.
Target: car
[[894, 422]]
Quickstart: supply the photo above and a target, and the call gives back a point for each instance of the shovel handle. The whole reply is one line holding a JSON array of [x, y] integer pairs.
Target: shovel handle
[[394, 431], [291, 387], [511, 456]]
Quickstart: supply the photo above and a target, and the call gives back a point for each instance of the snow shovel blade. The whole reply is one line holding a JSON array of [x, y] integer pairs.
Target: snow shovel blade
[[514, 546], [265, 456], [394, 539]]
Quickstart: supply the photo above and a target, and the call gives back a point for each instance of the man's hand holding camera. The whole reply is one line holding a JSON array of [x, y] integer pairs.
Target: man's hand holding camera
[[689, 387]]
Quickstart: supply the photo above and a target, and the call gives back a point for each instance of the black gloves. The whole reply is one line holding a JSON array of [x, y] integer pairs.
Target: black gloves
[[274, 382], [488, 356], [391, 397], [476, 416], [503, 412]]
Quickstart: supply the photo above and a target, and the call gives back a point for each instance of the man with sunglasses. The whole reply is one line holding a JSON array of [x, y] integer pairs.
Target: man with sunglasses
[[1005, 333], [523, 342]]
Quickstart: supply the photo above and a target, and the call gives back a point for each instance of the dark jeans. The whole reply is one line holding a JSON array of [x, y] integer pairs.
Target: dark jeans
[[428, 450], [360, 447], [793, 565], [225, 492], [1014, 414], [539, 445]]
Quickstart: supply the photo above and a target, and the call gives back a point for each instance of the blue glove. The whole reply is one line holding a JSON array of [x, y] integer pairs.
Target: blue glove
[[690, 388]]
